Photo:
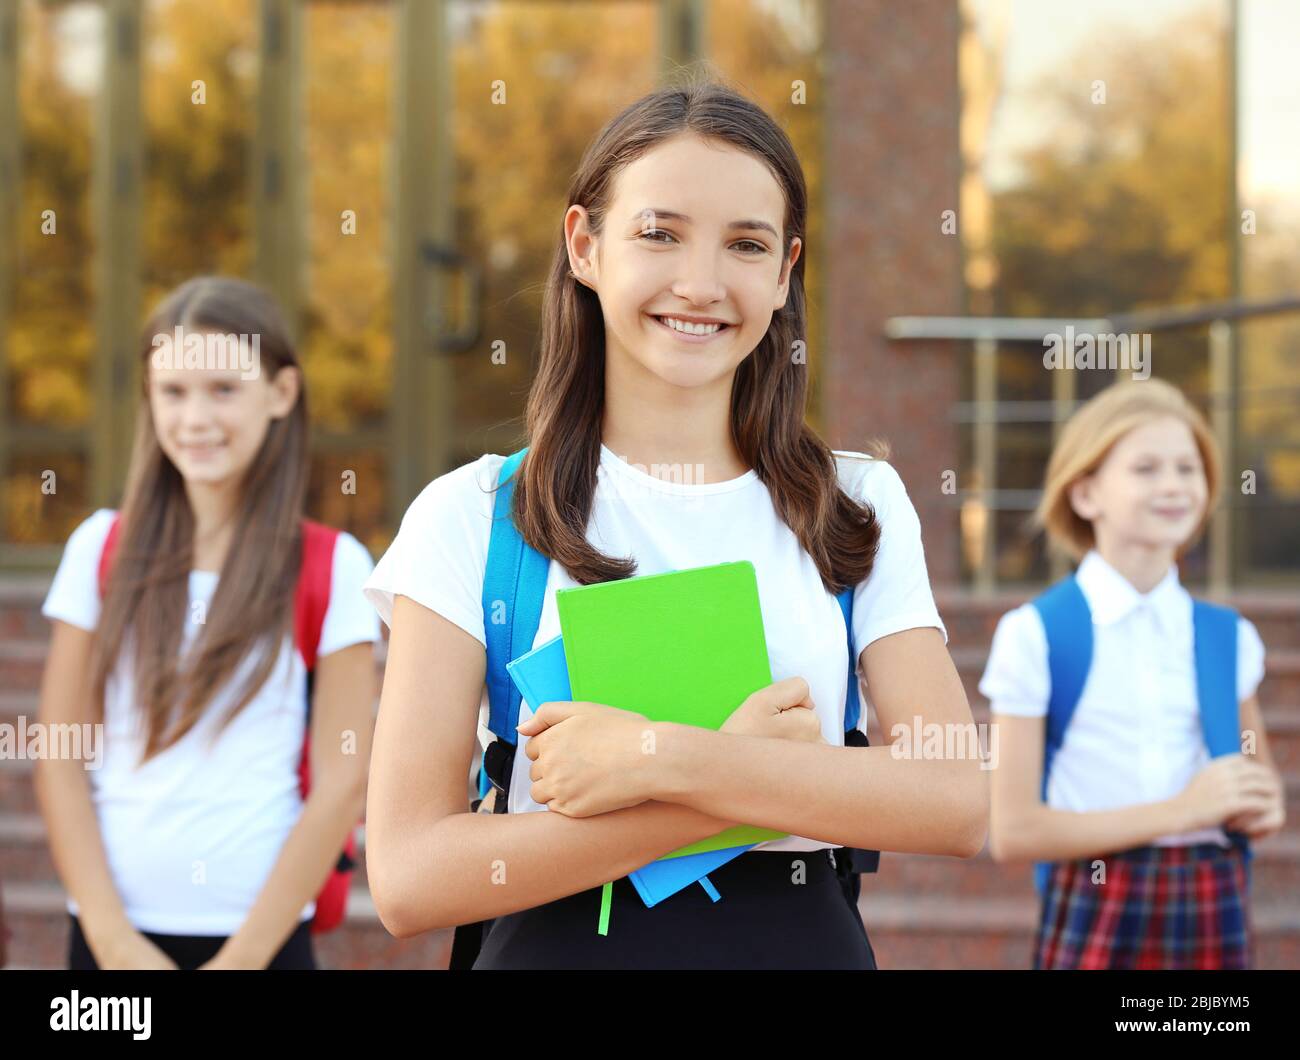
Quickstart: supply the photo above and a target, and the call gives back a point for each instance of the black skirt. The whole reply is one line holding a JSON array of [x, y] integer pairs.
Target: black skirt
[[773, 914], [190, 951]]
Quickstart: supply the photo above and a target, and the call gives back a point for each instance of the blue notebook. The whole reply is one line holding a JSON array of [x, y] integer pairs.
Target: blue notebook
[[542, 676]]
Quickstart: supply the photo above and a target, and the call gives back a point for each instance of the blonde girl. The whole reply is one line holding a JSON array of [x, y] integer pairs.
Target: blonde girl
[[1154, 783]]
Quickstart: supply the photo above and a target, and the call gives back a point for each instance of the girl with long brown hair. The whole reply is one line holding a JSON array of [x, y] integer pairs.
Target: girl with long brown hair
[[672, 337], [189, 844]]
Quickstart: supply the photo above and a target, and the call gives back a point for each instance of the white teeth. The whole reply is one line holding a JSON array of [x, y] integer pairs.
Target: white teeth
[[689, 328]]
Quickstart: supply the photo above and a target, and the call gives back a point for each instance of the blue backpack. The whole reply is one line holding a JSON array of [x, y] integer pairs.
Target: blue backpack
[[1067, 621], [516, 576]]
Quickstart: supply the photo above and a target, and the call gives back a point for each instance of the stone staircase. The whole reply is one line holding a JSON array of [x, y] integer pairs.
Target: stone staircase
[[921, 912]]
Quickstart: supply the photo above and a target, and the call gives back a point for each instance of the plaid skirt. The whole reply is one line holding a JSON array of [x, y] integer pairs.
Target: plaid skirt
[[1159, 907]]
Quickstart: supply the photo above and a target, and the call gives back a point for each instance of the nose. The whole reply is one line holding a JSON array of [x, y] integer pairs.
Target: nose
[[1171, 485], [700, 284], [196, 409]]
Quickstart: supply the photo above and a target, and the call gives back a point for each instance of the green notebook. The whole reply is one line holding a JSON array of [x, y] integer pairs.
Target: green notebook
[[685, 646]]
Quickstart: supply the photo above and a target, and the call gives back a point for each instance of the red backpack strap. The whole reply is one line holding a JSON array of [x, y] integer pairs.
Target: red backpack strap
[[311, 601], [108, 551], [312, 596]]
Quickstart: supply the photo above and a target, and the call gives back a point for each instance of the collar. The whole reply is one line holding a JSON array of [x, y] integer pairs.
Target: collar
[[1111, 596]]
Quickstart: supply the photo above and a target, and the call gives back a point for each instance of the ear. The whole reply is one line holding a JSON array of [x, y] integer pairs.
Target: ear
[[581, 244], [284, 391], [783, 282], [1082, 498]]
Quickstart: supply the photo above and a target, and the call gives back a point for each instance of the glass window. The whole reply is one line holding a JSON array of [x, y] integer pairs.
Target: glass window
[[772, 53], [51, 336], [514, 161], [50, 339], [348, 102], [1098, 185], [198, 94], [1268, 527]]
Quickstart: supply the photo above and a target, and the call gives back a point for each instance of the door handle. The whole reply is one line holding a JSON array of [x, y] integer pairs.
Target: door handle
[[444, 340]]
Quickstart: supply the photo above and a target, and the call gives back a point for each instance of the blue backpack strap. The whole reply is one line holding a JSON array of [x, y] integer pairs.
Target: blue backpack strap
[[1214, 636], [1214, 639], [515, 576], [1067, 621], [852, 707], [853, 861]]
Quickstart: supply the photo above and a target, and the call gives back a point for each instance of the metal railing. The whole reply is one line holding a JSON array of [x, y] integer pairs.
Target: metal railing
[[985, 412]]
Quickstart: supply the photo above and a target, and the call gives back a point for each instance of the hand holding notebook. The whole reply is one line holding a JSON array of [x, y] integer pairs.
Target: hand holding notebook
[[542, 676], [684, 646]]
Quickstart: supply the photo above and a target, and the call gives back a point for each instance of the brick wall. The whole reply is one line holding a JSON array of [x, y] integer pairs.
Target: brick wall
[[892, 168]]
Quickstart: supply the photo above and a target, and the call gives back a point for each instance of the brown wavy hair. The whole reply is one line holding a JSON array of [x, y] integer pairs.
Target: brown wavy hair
[[147, 592], [556, 482]]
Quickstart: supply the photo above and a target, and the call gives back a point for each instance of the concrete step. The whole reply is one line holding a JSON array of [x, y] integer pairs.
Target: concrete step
[[17, 795], [21, 664], [21, 596]]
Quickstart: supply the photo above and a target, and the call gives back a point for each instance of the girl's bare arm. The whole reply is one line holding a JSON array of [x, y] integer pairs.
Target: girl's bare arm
[[1252, 728], [874, 798], [63, 794], [1024, 828], [433, 864]]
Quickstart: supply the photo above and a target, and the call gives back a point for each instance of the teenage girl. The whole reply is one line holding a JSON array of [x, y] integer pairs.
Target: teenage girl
[[1137, 816], [672, 330], [191, 846]]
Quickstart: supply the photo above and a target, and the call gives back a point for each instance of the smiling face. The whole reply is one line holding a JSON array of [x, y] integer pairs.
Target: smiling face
[[1150, 490], [211, 422], [692, 234]]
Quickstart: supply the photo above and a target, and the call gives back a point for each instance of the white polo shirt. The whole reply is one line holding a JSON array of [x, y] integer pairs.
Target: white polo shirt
[[440, 553], [192, 835], [1135, 736]]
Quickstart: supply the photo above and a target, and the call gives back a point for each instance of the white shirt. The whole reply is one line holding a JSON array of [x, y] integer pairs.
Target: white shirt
[[440, 552], [1135, 736], [192, 835]]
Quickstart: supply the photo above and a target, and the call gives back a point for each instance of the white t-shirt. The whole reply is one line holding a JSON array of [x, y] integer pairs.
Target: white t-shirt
[[440, 552], [192, 835], [1135, 735]]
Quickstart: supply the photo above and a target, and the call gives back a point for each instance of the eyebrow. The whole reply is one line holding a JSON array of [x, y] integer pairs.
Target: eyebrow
[[673, 215]]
